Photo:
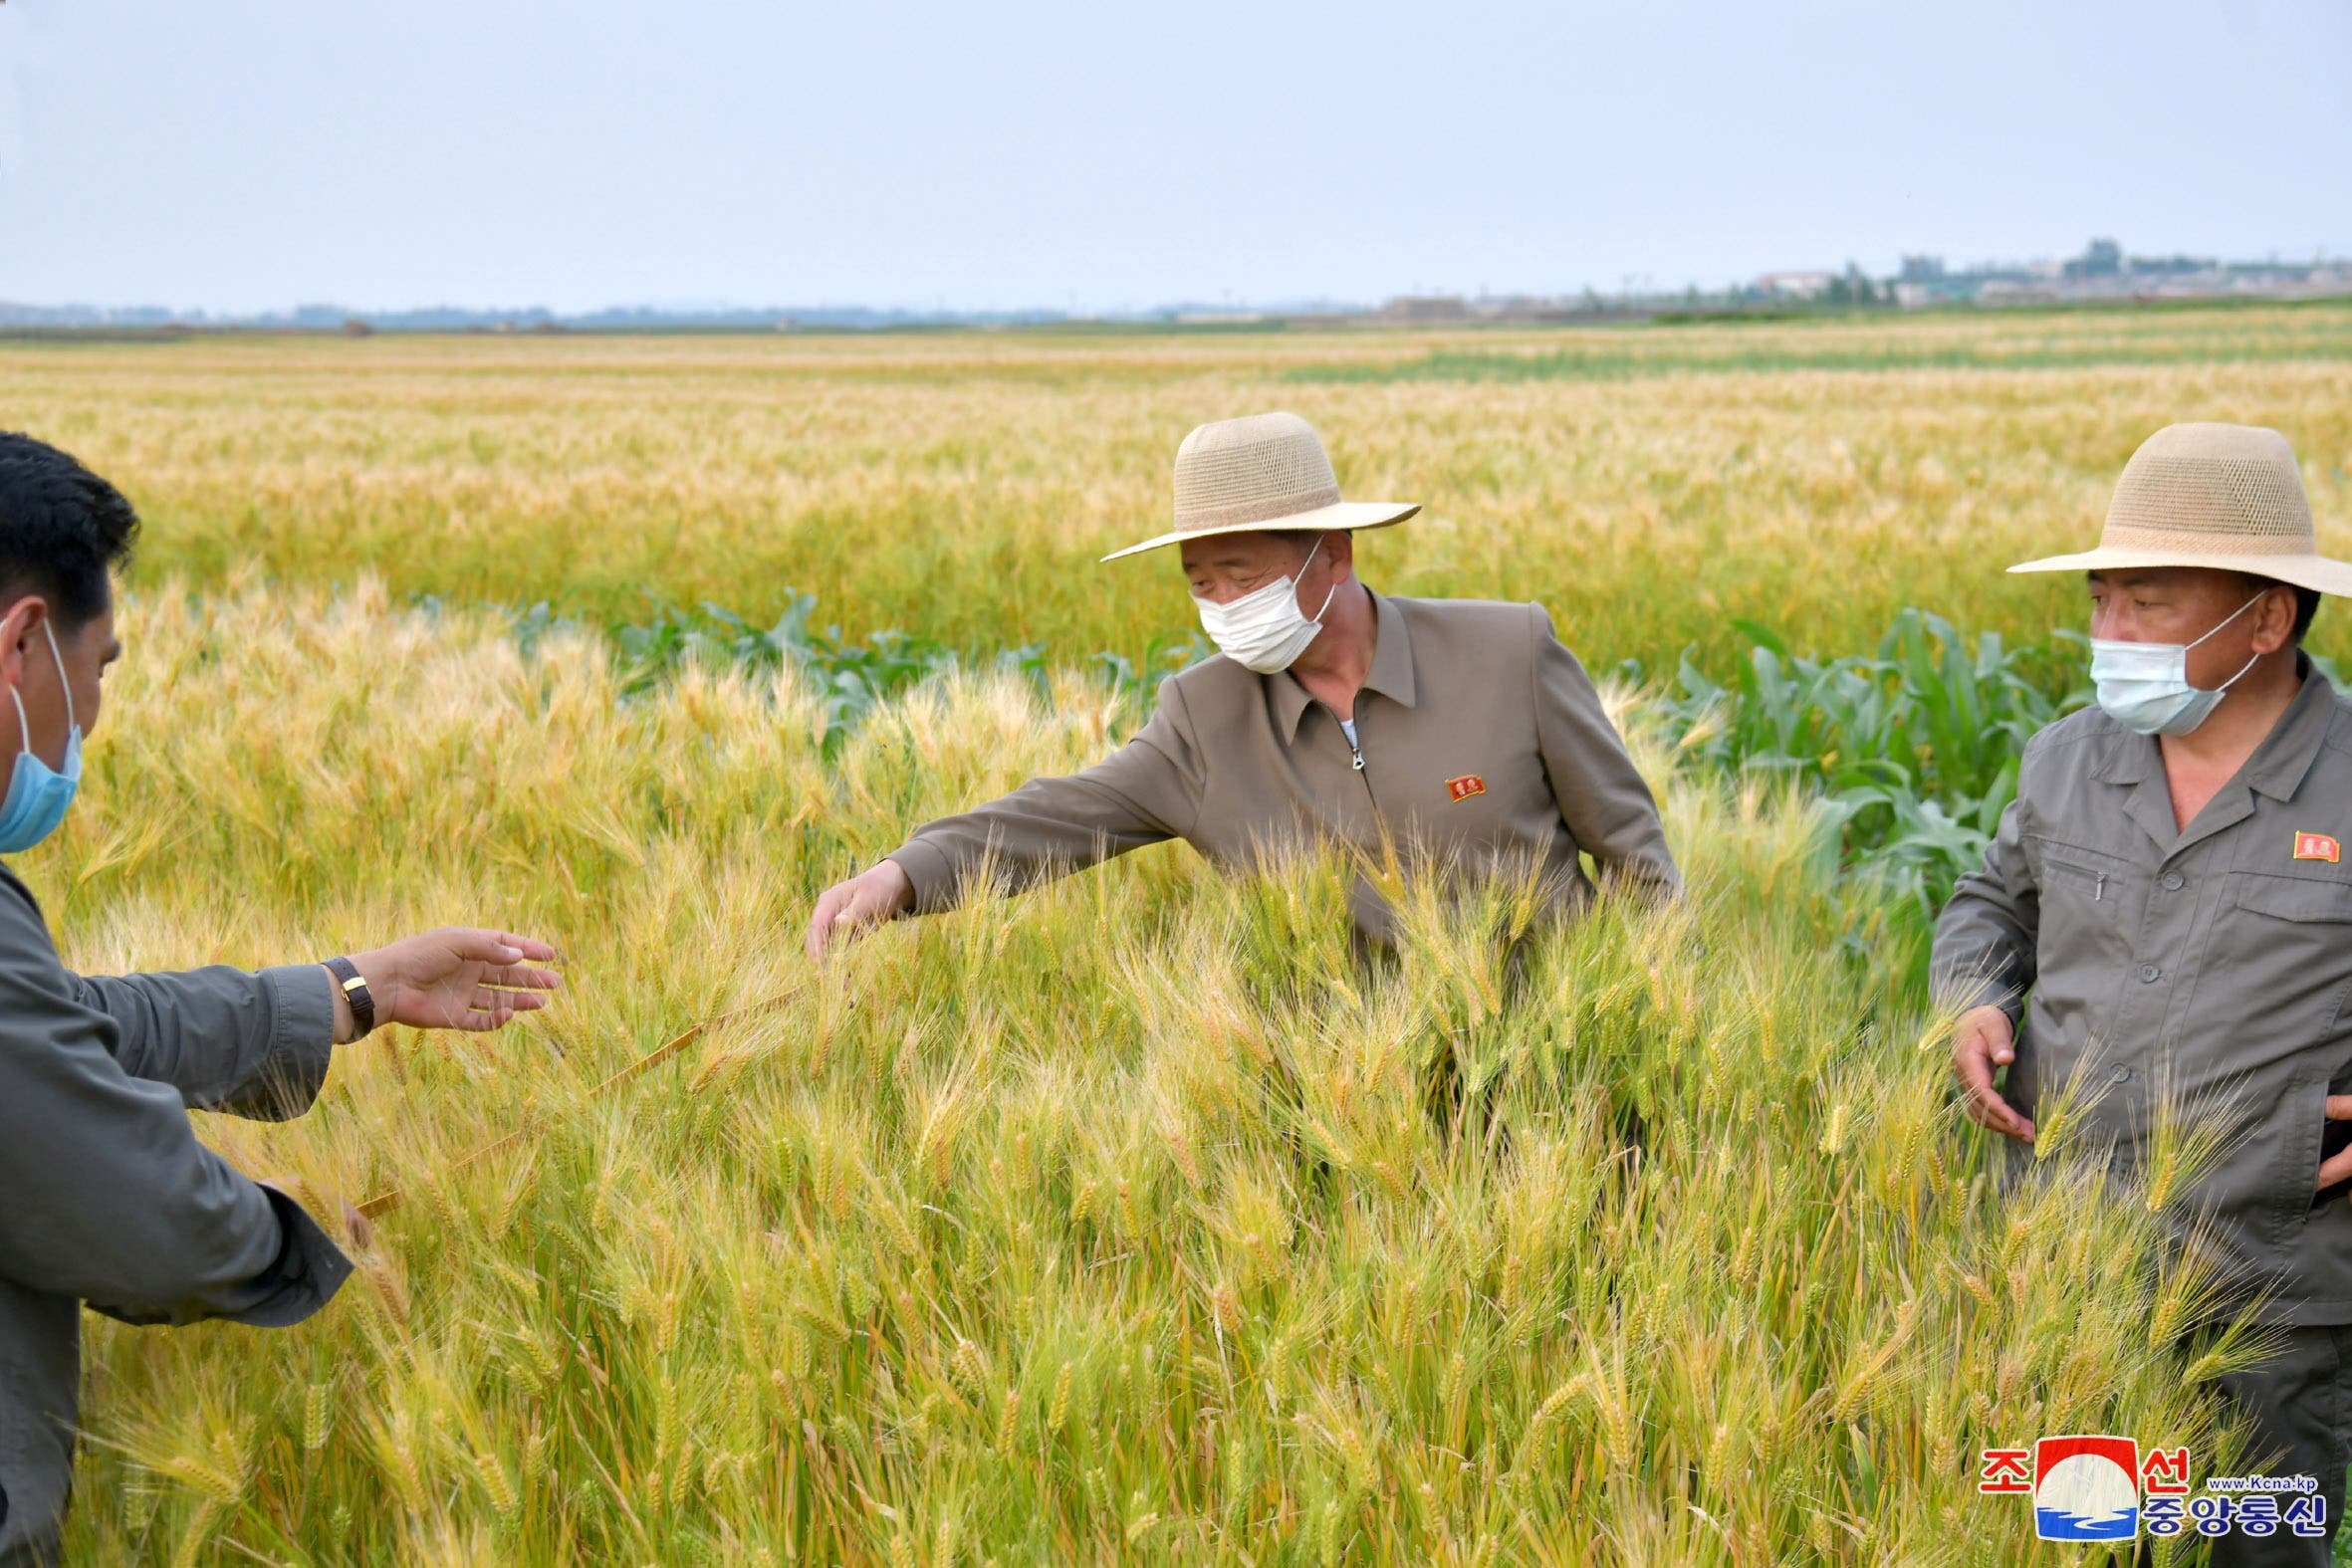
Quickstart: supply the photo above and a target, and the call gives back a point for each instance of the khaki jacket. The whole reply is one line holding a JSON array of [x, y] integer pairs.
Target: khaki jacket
[[105, 1196], [1480, 742], [2212, 965]]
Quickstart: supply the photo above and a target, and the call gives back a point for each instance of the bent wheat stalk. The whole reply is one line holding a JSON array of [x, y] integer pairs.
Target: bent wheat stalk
[[391, 1197]]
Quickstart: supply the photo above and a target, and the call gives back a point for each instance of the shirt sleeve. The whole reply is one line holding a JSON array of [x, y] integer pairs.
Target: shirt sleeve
[[250, 1045], [1602, 797], [1146, 792], [109, 1197], [1983, 952]]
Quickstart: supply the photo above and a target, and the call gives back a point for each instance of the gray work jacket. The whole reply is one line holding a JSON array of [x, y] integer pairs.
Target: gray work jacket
[[1481, 745], [2210, 965], [107, 1197]]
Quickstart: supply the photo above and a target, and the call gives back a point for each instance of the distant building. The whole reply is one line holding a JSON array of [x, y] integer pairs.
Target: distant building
[[1513, 307], [1427, 308], [2017, 290], [1795, 285], [2099, 258], [1921, 270]]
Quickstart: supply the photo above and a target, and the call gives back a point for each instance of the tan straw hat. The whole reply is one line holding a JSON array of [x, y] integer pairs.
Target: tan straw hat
[[2209, 494], [1264, 470]]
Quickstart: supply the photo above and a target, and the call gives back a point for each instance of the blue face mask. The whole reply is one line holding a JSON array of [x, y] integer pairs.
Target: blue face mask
[[2144, 686], [38, 794]]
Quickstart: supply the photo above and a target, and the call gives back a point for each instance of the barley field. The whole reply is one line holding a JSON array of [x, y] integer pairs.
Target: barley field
[[1132, 1219]]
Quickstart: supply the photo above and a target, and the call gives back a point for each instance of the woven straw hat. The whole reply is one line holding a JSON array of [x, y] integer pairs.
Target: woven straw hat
[[1264, 470], [2210, 495]]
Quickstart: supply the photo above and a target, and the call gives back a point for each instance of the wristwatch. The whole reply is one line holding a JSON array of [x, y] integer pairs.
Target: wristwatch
[[354, 991]]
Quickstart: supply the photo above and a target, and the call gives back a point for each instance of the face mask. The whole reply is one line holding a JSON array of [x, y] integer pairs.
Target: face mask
[[38, 794], [1264, 630], [2144, 686]]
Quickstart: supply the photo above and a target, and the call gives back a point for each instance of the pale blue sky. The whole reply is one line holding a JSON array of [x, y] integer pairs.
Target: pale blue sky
[[243, 154]]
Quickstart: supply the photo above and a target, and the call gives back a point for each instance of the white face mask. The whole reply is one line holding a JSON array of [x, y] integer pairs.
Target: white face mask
[[2144, 686], [1264, 630]]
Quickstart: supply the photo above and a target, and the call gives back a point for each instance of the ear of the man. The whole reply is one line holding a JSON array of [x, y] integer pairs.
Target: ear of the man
[[20, 623], [2275, 624], [1340, 546]]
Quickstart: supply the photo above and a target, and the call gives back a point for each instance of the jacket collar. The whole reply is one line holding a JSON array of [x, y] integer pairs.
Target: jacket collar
[[2277, 767], [1391, 674]]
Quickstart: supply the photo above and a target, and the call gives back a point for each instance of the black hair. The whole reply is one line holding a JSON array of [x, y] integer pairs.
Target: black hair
[[63, 529], [2306, 602]]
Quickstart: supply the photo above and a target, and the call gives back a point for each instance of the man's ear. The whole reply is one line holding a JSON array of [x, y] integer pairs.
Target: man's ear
[[1342, 546], [20, 623], [2274, 619]]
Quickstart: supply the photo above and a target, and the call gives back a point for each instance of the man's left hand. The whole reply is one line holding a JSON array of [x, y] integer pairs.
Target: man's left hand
[[457, 978], [2338, 1166]]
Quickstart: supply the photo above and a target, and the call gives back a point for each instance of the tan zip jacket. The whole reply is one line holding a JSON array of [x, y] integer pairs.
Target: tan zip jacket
[[1481, 743]]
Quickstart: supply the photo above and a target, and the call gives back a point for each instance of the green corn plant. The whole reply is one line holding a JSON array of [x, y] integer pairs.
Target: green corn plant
[[1912, 751]]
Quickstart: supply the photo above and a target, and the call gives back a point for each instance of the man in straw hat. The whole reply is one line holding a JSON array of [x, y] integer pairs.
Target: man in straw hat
[[2166, 914], [1458, 727]]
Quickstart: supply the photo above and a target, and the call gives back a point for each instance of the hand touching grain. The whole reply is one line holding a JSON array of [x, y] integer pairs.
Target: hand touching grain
[[846, 909], [1981, 1041]]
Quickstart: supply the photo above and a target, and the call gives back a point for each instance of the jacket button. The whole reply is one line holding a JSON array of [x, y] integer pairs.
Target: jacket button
[[2149, 973], [2172, 881], [2122, 1075]]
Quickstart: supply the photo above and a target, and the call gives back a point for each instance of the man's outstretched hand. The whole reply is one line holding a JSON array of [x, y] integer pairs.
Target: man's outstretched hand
[[847, 908], [457, 978]]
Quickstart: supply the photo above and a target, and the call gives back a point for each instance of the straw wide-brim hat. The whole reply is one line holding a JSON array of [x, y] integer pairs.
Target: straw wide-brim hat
[[1264, 470], [2209, 494]]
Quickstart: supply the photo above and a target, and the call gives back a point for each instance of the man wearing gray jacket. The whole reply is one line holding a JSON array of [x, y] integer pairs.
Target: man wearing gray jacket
[[105, 1196], [2163, 925]]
